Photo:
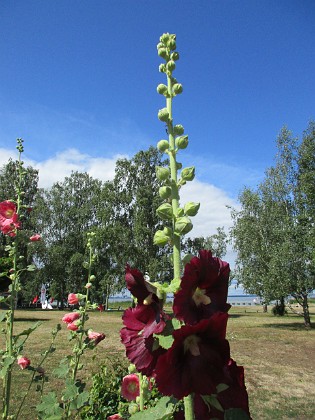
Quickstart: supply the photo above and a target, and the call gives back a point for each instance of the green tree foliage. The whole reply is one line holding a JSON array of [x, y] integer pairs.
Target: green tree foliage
[[274, 230], [216, 243]]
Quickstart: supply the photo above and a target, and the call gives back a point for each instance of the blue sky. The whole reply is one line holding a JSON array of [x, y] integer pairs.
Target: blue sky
[[78, 83]]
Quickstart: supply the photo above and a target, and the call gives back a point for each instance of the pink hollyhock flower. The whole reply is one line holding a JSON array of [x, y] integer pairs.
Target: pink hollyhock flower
[[204, 288], [8, 218], [138, 287], [73, 299], [141, 323], [195, 362], [130, 388], [72, 326], [7, 210], [35, 237], [95, 336], [114, 417], [23, 362], [70, 317]]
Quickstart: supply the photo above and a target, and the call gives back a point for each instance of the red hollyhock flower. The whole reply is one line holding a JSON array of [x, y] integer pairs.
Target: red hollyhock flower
[[141, 323], [138, 287], [195, 362], [130, 387], [96, 337], [73, 299], [204, 288], [8, 218], [35, 238], [71, 317], [23, 362]]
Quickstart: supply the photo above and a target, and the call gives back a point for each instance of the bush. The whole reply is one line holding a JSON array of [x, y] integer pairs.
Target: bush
[[105, 398]]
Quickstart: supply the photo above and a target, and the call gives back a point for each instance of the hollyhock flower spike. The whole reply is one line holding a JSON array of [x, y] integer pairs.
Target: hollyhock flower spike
[[73, 299], [195, 362], [204, 288], [23, 362], [130, 387], [70, 317], [96, 337]]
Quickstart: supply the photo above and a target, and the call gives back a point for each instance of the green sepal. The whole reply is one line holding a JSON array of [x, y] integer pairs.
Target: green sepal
[[188, 174], [163, 115], [162, 173], [181, 142], [186, 259], [165, 211], [165, 192], [163, 145], [178, 129]]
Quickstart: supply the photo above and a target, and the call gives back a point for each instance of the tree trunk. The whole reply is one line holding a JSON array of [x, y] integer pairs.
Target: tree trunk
[[306, 312], [265, 308]]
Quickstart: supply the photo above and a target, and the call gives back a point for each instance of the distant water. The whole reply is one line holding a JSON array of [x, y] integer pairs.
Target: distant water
[[234, 300]]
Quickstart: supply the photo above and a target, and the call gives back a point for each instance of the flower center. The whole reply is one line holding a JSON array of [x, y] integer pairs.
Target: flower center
[[132, 387], [200, 297], [148, 300], [9, 213], [191, 344]]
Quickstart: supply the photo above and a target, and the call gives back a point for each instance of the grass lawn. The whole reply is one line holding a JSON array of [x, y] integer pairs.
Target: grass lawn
[[277, 353]]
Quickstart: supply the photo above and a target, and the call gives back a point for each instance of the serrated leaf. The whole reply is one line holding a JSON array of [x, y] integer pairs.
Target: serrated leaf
[[50, 406], [235, 414], [70, 393], [163, 410], [7, 362], [62, 371], [222, 387], [82, 398], [31, 267], [3, 315]]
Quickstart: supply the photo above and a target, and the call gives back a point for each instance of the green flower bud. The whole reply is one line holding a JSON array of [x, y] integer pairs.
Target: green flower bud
[[132, 368], [165, 211], [188, 174], [181, 142], [163, 145], [162, 68], [161, 238], [92, 277], [191, 209], [133, 408], [179, 165], [177, 88], [187, 258], [160, 45], [171, 44], [178, 129], [162, 173], [162, 89], [183, 225], [174, 56], [170, 65], [164, 38], [165, 192], [180, 212], [162, 52], [163, 115]]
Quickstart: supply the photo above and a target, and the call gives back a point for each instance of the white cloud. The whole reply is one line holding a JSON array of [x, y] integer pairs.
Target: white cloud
[[62, 164]]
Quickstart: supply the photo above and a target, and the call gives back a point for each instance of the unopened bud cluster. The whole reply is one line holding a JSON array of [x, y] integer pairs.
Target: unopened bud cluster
[[178, 218]]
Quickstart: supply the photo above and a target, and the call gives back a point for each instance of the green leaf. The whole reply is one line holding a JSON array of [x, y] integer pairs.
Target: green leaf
[[3, 315], [165, 341], [211, 400], [50, 407], [31, 267], [176, 324], [222, 387], [163, 410], [235, 414], [62, 371], [29, 330], [6, 364]]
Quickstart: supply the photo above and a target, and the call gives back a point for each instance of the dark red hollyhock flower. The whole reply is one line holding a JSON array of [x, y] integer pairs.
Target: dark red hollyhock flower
[[137, 286], [204, 288], [141, 323], [195, 362], [236, 395]]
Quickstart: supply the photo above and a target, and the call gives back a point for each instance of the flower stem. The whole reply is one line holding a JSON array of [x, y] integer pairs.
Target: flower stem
[[189, 407]]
